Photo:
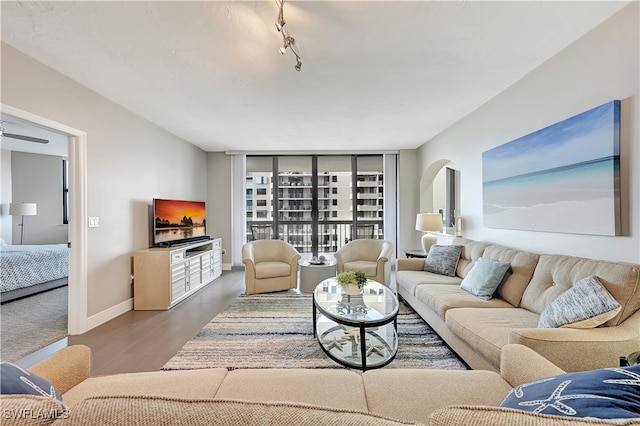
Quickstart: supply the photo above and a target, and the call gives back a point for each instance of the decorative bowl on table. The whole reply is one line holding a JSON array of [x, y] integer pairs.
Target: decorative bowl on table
[[318, 260]]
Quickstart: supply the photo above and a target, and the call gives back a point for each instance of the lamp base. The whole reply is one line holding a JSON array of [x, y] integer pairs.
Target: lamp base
[[427, 241]]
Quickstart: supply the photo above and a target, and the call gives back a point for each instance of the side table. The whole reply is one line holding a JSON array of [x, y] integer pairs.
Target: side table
[[313, 273], [415, 253]]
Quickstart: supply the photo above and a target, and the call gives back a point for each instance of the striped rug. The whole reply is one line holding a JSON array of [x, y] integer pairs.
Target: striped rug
[[275, 331]]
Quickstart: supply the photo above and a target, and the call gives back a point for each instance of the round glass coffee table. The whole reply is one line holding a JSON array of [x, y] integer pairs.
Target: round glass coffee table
[[356, 331]]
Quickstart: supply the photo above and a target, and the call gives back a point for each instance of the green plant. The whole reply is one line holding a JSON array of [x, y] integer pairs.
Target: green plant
[[358, 278]]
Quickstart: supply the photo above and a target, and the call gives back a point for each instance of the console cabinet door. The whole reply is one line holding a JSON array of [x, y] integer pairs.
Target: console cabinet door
[[178, 280], [216, 254], [194, 272], [206, 262]]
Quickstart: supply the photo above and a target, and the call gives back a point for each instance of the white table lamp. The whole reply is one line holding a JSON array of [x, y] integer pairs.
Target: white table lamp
[[428, 222], [22, 209]]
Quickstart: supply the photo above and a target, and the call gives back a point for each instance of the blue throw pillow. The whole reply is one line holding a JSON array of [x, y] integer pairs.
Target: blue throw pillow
[[609, 393], [15, 380], [485, 276]]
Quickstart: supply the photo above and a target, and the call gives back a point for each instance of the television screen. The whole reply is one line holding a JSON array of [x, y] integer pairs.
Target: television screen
[[178, 221]]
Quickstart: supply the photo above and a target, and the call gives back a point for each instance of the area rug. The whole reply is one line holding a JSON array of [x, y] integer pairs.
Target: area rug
[[276, 331], [31, 323]]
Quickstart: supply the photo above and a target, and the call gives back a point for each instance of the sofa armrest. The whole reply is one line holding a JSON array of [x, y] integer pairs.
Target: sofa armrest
[[574, 349], [514, 357], [66, 368], [412, 264]]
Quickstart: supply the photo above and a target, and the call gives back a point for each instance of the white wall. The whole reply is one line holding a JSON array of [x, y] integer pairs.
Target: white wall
[[599, 67], [219, 223], [37, 179], [408, 201], [129, 162], [6, 221]]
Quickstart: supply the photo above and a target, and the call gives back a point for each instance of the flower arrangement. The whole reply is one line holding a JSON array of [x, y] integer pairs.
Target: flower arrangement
[[357, 278]]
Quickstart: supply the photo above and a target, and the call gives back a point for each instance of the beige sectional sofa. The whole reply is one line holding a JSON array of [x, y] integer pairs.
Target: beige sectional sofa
[[283, 396], [478, 329]]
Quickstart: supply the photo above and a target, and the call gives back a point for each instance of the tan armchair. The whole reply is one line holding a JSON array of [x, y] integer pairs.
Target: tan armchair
[[368, 255], [270, 265]]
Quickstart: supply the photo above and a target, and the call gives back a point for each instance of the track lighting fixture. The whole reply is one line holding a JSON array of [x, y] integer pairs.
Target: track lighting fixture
[[288, 42]]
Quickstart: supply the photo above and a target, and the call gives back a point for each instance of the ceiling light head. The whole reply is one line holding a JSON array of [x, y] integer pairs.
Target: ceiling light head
[[288, 41]]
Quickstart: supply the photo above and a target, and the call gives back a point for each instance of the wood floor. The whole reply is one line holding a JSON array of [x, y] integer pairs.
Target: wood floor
[[146, 340]]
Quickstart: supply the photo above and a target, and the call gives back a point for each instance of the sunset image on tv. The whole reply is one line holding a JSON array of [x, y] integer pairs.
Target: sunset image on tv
[[176, 220]]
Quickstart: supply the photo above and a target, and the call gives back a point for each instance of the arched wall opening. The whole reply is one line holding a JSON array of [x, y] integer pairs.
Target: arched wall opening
[[440, 193]]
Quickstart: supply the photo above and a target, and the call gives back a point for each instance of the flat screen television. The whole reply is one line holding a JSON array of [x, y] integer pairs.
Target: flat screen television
[[178, 221]]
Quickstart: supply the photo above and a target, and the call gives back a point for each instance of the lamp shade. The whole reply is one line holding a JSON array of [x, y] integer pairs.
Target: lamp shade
[[426, 222], [23, 209]]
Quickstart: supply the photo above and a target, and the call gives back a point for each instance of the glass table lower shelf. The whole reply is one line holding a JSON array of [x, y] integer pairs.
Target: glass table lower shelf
[[344, 344]]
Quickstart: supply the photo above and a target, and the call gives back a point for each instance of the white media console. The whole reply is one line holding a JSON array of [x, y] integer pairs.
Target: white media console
[[164, 276]]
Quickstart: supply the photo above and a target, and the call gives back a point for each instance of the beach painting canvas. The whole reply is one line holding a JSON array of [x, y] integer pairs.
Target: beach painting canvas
[[563, 178]]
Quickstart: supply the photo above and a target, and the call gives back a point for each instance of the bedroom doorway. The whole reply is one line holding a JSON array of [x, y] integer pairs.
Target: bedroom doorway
[[77, 320]]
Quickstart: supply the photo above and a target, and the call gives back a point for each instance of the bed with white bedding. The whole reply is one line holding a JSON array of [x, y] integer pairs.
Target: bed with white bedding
[[30, 269]]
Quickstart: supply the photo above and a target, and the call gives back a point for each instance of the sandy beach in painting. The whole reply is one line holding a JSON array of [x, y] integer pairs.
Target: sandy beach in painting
[[568, 199], [555, 217]]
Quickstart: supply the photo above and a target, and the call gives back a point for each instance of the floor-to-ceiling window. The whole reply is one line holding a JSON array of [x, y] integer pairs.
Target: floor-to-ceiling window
[[317, 203]]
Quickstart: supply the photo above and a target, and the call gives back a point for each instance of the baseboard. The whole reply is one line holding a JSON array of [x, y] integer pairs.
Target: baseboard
[[226, 267], [108, 314]]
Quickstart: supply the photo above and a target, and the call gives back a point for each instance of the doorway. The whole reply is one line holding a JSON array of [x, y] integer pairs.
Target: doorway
[[77, 318]]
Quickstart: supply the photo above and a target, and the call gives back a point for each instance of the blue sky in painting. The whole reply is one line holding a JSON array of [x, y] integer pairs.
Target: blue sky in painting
[[584, 137]]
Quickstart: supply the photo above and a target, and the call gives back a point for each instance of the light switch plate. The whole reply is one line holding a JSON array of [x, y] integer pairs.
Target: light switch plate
[[94, 222]]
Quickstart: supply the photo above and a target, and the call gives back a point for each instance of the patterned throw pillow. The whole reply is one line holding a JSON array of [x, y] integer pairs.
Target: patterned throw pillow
[[609, 393], [585, 305], [485, 276], [443, 260], [14, 380]]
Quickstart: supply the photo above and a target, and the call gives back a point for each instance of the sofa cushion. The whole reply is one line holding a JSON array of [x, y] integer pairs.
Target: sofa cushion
[[585, 305], [522, 266], [487, 329], [610, 393], [497, 416], [443, 259], [162, 411], [15, 380], [485, 277], [555, 274], [183, 384], [409, 280], [471, 251], [308, 386], [412, 394], [272, 269], [442, 297], [30, 410], [368, 267]]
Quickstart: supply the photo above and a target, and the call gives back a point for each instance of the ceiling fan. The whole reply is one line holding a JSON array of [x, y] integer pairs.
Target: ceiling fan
[[20, 137]]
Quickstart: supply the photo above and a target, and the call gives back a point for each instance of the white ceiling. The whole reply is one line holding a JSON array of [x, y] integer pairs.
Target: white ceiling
[[376, 75]]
